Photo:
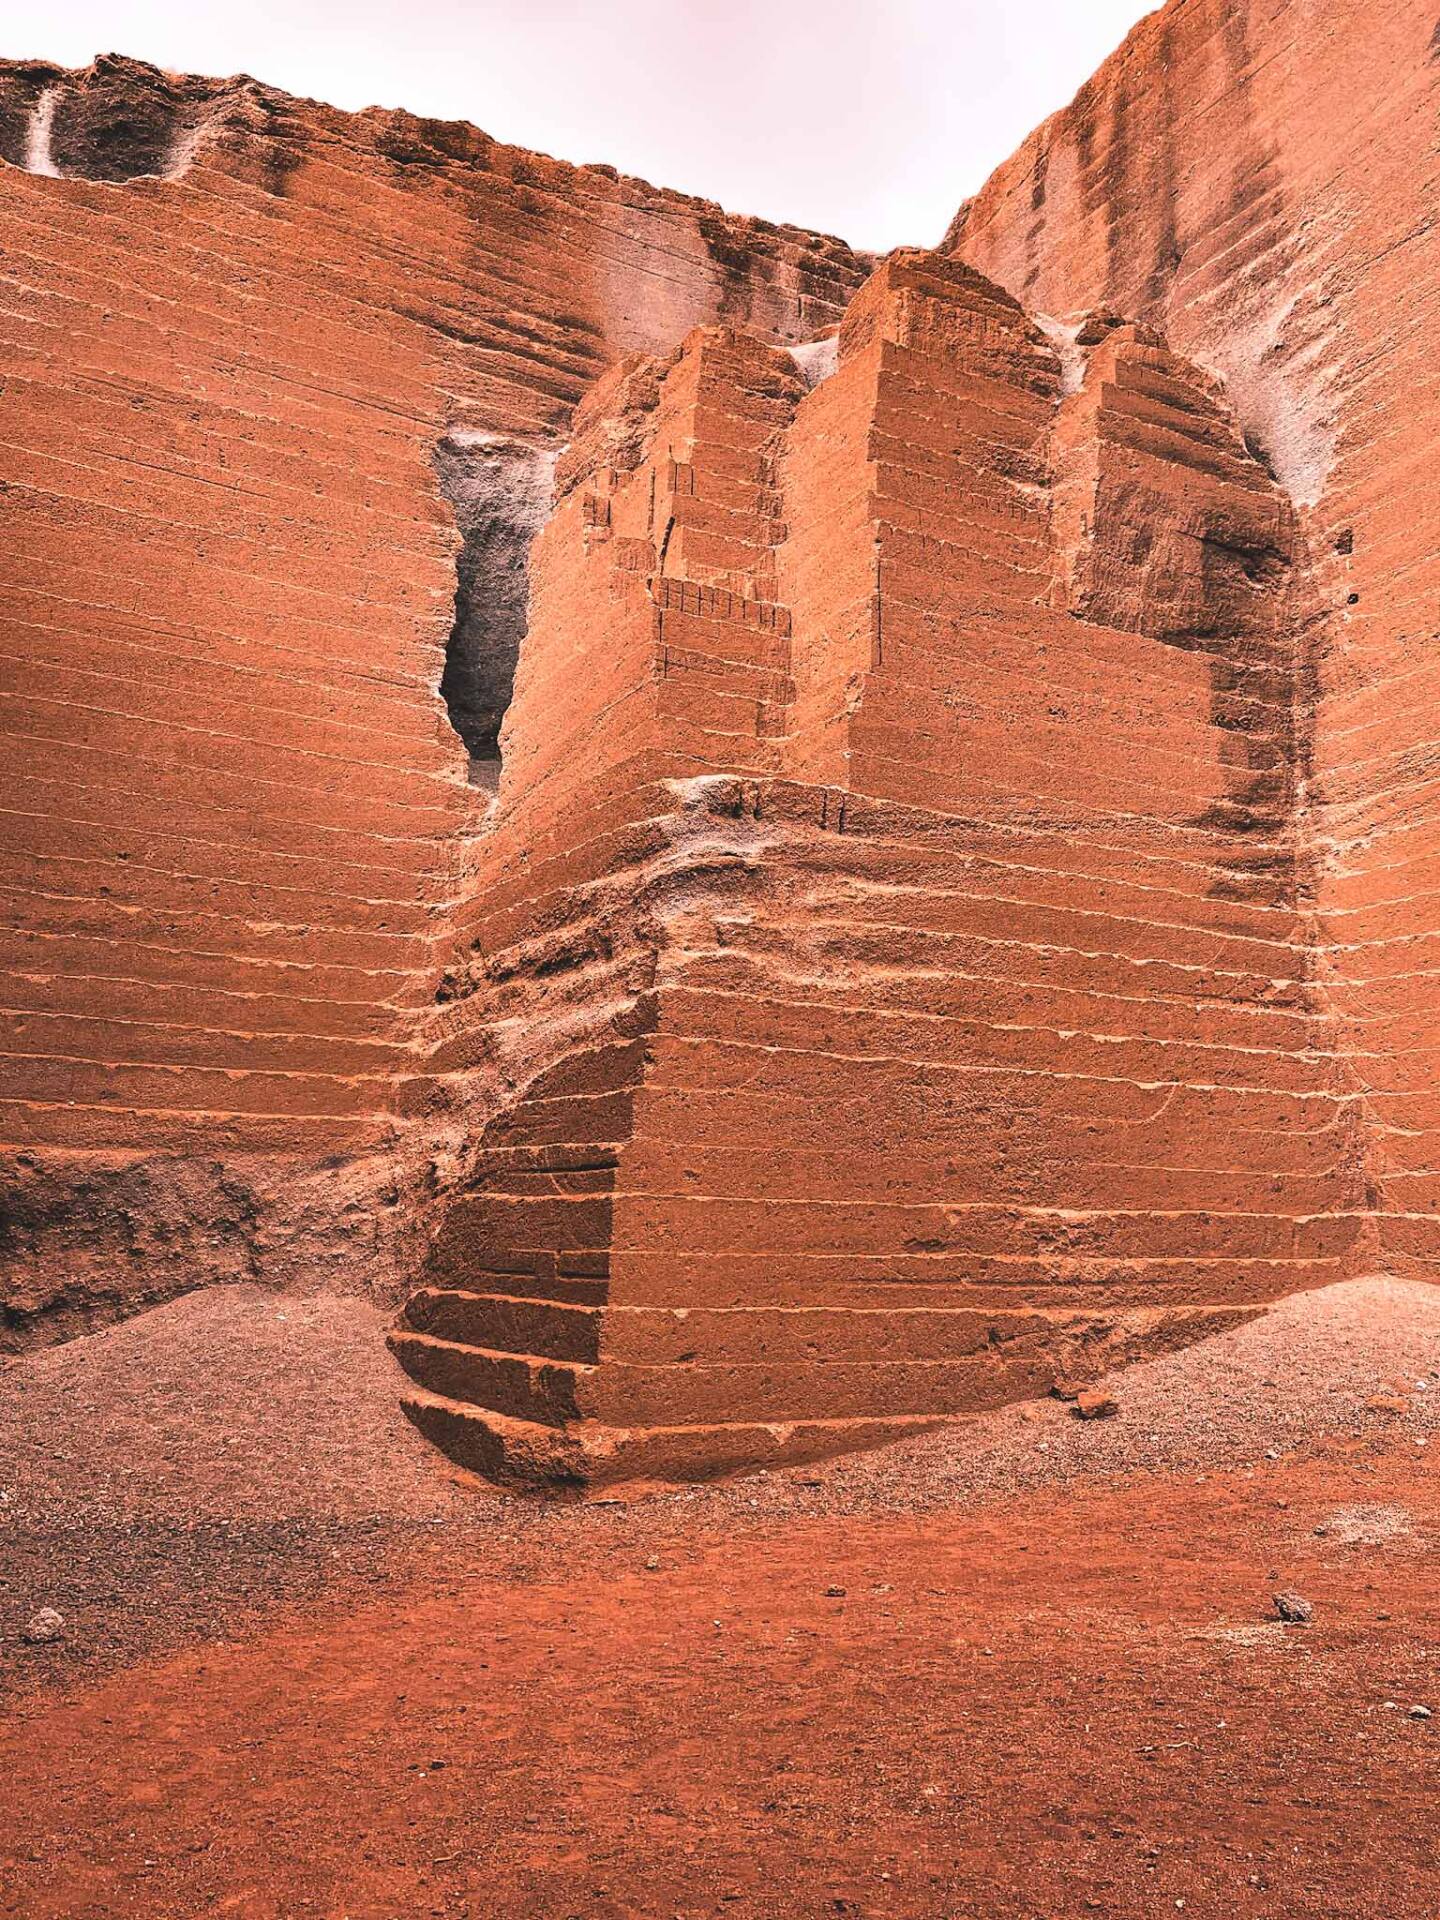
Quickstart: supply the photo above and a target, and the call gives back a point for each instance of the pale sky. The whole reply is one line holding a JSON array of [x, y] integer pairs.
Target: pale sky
[[872, 119]]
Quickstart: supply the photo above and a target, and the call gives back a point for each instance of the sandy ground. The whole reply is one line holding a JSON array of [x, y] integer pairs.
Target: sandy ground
[[1027, 1667]]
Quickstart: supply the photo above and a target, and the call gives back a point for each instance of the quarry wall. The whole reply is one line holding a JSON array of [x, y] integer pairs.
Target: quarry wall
[[1258, 178], [239, 331], [917, 884], [932, 1018]]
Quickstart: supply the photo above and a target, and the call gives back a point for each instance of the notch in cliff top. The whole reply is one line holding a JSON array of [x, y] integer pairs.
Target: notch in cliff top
[[500, 492], [115, 120]]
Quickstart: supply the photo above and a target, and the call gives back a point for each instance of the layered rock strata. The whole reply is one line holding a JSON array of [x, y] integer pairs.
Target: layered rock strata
[[249, 346], [919, 881], [1258, 178], [897, 869]]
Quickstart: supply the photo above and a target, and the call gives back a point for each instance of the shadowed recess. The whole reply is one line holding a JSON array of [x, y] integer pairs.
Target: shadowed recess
[[499, 491]]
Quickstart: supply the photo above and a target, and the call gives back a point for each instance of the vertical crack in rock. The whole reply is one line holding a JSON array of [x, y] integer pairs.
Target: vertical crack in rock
[[499, 491]]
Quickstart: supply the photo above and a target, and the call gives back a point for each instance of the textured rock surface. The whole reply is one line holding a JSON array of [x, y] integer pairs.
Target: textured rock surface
[[954, 912], [896, 877], [1258, 177], [236, 813]]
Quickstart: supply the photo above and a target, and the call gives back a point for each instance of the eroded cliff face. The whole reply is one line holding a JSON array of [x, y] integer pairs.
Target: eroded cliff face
[[1258, 177], [912, 884], [898, 861], [249, 344]]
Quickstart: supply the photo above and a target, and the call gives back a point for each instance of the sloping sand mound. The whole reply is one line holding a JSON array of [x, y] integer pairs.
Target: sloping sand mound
[[1032, 1666], [234, 1451]]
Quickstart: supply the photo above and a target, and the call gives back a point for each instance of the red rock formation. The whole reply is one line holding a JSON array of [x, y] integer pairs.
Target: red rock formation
[[1257, 177], [935, 1016], [954, 911], [237, 817]]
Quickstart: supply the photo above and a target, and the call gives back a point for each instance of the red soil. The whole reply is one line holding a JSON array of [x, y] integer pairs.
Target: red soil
[[1052, 1684]]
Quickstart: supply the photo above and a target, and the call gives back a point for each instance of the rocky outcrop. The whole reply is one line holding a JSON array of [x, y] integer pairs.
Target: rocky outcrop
[[117, 120], [902, 778], [1256, 177], [915, 883], [249, 344]]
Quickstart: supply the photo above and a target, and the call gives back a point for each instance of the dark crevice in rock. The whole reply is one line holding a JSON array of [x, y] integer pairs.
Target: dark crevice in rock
[[500, 492], [22, 88]]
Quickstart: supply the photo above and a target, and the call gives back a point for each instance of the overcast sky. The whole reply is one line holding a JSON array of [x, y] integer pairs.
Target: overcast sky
[[872, 119]]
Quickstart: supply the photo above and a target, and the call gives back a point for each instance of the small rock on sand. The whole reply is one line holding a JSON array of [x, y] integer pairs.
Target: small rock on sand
[[43, 1627], [1294, 1608], [1095, 1404]]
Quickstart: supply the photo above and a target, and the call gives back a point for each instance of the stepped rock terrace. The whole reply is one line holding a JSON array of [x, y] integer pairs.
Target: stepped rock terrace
[[769, 848]]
